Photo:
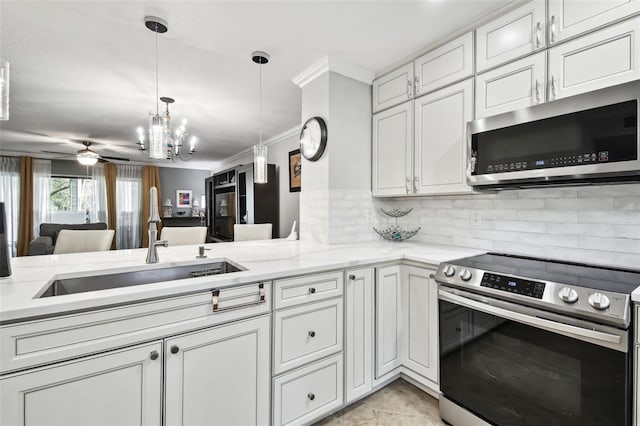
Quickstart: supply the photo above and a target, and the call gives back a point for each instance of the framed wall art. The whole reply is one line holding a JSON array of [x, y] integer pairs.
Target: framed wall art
[[184, 198], [295, 171]]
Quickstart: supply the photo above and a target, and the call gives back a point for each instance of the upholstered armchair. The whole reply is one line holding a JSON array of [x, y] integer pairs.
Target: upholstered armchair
[[46, 242]]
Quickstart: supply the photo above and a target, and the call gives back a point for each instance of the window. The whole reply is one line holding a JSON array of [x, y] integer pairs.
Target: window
[[72, 199]]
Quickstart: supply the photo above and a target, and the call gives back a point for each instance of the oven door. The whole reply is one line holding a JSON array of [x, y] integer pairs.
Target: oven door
[[514, 365]]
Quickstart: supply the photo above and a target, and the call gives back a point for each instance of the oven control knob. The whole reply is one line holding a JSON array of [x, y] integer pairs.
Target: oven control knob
[[449, 271], [568, 295], [465, 275], [599, 301]]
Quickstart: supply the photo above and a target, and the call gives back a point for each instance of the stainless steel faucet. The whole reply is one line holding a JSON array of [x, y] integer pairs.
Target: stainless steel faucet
[[154, 218], [152, 253]]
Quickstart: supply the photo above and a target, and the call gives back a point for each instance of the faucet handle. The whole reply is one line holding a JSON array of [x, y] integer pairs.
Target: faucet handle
[[163, 243]]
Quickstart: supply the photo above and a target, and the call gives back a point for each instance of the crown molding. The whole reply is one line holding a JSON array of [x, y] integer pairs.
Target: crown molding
[[294, 131], [326, 64]]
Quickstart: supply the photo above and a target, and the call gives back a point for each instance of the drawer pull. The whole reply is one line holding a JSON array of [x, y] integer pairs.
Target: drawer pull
[[311, 396], [154, 355], [175, 349], [352, 277], [432, 276], [312, 333], [215, 294], [312, 290]]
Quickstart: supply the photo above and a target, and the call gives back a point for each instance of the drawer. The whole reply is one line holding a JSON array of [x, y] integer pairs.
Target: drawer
[[455, 329], [309, 288], [33, 343], [306, 333], [308, 393]]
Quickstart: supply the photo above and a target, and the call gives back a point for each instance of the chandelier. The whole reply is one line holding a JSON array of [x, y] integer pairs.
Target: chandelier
[[163, 142]]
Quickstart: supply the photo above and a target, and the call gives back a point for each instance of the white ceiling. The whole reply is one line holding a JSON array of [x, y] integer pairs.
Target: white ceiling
[[85, 69]]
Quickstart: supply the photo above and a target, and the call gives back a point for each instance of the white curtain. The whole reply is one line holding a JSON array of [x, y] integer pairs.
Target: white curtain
[[128, 206], [41, 194], [98, 211], [10, 196]]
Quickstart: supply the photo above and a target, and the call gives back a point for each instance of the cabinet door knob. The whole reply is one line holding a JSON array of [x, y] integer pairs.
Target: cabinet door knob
[[312, 290], [312, 333], [154, 355], [311, 396], [352, 277], [432, 276], [175, 349]]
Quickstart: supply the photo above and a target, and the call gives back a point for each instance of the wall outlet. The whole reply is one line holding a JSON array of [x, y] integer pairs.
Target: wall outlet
[[476, 218]]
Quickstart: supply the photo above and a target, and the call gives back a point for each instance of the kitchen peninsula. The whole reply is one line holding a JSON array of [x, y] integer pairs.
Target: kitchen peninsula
[[63, 349]]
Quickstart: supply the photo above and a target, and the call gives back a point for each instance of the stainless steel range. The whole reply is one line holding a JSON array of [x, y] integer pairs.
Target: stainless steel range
[[526, 341]]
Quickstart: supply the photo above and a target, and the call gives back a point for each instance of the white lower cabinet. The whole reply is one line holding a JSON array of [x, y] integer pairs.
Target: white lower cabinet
[[388, 319], [359, 333], [219, 375], [305, 394], [600, 59], [117, 388], [308, 340], [420, 322]]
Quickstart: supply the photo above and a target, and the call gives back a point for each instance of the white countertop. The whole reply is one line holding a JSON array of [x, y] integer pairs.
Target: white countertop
[[264, 260]]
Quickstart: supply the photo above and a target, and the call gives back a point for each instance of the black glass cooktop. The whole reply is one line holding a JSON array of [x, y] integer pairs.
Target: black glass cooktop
[[597, 277]]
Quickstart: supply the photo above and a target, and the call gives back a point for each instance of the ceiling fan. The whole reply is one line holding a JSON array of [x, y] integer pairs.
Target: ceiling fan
[[87, 156]]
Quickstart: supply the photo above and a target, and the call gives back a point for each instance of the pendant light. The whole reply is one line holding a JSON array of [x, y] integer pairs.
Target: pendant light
[[4, 90], [164, 143], [260, 150]]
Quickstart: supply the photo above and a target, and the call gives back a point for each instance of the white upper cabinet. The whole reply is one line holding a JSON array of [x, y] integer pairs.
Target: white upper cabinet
[[392, 150], [568, 18], [601, 59], [393, 88], [511, 36], [444, 65], [441, 139], [518, 84]]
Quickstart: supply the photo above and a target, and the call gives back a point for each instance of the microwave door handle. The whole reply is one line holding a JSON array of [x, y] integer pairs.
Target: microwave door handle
[[605, 339]]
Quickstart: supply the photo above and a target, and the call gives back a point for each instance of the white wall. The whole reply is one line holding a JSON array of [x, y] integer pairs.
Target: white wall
[[172, 179], [278, 154]]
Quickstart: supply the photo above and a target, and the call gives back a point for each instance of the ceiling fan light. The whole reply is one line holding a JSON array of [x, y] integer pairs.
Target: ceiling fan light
[[87, 158]]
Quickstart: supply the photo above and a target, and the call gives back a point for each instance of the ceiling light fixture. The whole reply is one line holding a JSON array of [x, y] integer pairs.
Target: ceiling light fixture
[[164, 143], [86, 157], [260, 150]]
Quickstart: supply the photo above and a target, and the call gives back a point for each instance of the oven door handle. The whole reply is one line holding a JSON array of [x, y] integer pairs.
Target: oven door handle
[[598, 337]]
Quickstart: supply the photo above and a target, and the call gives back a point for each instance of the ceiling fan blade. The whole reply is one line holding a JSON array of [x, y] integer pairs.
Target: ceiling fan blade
[[107, 157], [60, 153]]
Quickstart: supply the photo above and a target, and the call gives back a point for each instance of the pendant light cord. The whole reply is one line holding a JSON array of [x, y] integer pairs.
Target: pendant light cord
[[260, 103], [157, 89]]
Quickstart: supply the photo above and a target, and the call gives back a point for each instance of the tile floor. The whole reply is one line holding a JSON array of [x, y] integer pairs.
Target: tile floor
[[399, 403]]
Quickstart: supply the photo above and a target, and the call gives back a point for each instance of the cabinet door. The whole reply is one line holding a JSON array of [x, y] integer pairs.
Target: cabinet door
[[393, 88], [420, 322], [441, 140], [392, 151], [445, 65], [513, 86], [601, 59], [511, 36], [568, 18], [388, 319], [219, 375], [117, 388], [359, 332]]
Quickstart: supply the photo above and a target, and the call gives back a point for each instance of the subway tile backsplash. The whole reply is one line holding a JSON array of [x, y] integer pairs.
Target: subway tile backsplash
[[595, 224]]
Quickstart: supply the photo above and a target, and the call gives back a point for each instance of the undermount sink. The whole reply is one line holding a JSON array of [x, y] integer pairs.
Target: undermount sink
[[127, 279]]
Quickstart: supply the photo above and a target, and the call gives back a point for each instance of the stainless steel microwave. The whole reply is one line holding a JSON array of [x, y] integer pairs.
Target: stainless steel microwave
[[588, 138]]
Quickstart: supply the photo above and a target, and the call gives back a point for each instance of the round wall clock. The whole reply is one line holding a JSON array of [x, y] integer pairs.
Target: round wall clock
[[313, 138]]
